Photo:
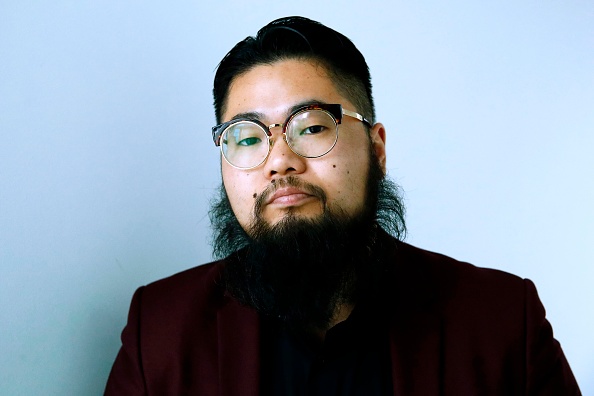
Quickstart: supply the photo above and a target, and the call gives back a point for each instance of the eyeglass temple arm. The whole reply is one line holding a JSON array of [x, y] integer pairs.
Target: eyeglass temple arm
[[216, 134], [357, 116]]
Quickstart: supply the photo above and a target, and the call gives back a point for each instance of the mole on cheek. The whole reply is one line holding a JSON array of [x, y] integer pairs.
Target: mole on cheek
[[255, 195], [334, 166]]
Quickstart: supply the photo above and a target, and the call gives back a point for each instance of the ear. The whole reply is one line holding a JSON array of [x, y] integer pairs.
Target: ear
[[377, 134]]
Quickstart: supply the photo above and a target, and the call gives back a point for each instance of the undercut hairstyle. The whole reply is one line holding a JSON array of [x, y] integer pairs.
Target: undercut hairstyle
[[303, 39]]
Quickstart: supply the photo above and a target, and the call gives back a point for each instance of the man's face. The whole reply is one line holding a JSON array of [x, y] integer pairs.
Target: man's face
[[271, 91]]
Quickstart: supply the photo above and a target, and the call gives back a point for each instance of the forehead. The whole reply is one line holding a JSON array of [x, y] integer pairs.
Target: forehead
[[273, 89]]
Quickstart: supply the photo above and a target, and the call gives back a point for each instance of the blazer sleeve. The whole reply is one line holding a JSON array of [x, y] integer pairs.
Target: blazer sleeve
[[126, 377], [547, 369]]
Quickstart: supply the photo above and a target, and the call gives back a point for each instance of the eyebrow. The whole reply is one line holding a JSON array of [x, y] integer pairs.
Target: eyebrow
[[305, 103], [255, 115], [252, 115]]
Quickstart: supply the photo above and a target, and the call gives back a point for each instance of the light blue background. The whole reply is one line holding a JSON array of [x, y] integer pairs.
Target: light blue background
[[107, 165]]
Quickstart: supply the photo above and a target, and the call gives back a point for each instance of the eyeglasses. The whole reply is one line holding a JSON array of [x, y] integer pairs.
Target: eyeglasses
[[310, 131]]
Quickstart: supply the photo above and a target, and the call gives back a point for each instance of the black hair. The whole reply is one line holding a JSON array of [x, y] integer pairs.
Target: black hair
[[299, 38]]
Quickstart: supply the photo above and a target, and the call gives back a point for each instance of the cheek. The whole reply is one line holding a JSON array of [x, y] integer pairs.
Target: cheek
[[348, 180], [241, 192]]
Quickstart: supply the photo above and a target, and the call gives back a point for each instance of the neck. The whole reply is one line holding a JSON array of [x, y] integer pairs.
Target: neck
[[342, 313]]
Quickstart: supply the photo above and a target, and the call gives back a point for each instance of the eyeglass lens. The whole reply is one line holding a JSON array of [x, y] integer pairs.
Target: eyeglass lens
[[310, 133]]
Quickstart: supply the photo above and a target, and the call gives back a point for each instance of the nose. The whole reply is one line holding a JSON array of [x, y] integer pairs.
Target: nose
[[282, 161]]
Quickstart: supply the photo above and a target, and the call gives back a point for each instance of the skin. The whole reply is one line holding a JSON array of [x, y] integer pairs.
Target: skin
[[271, 91]]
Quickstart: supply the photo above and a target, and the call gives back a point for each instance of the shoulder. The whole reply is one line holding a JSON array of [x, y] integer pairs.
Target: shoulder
[[428, 261], [450, 288], [448, 274], [480, 310], [175, 330], [195, 292], [480, 318], [205, 278]]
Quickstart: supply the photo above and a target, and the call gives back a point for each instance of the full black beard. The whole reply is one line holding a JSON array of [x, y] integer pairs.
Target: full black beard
[[300, 270]]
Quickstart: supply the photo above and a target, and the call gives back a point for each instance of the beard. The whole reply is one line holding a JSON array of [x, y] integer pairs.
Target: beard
[[300, 270]]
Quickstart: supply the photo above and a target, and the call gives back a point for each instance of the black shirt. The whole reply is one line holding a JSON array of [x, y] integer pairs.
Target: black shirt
[[353, 360]]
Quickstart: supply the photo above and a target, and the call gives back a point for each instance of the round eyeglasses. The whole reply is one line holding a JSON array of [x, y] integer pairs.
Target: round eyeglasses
[[310, 131]]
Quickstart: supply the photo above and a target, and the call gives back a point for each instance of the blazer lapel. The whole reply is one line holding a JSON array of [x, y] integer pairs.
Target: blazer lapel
[[239, 349], [417, 353], [416, 327]]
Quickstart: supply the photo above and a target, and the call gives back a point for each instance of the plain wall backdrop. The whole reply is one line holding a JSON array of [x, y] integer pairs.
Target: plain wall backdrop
[[107, 165]]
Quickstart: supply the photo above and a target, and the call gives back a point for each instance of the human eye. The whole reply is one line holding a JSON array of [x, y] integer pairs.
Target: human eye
[[313, 123], [249, 141], [243, 135], [313, 130]]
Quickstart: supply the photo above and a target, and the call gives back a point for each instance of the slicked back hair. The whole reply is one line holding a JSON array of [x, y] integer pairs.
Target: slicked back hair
[[303, 39]]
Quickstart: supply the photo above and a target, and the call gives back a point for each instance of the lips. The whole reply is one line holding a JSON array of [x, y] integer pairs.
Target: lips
[[286, 193], [288, 196]]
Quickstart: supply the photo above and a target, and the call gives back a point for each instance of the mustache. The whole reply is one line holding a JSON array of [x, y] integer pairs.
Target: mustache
[[289, 181]]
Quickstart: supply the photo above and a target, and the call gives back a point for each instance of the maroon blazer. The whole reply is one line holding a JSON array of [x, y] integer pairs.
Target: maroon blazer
[[455, 330]]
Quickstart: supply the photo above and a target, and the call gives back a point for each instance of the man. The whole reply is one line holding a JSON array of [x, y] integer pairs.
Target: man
[[315, 294]]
